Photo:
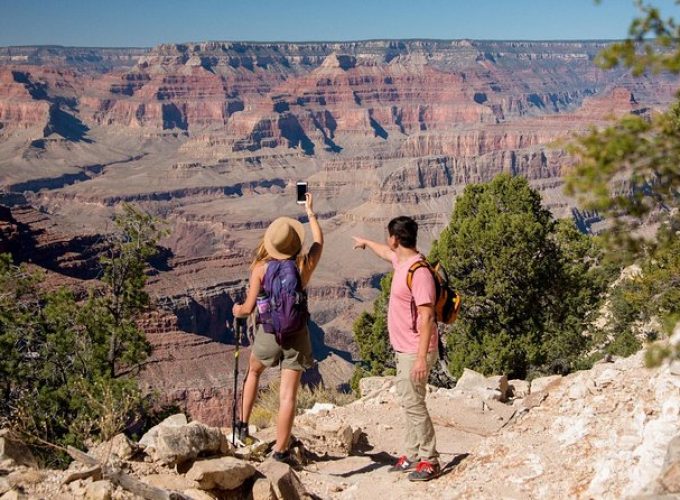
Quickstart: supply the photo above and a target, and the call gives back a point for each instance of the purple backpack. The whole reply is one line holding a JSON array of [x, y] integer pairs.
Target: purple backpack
[[287, 312]]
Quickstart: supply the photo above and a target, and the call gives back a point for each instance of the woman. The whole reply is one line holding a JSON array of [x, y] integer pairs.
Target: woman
[[283, 240]]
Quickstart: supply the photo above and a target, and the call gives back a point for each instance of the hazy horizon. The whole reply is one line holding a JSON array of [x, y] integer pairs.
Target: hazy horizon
[[303, 42], [134, 24]]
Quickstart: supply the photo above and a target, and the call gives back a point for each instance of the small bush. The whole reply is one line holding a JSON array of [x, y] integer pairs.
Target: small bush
[[262, 416], [267, 405]]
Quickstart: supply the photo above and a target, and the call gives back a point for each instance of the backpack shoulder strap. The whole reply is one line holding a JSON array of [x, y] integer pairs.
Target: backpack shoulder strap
[[272, 269], [414, 267]]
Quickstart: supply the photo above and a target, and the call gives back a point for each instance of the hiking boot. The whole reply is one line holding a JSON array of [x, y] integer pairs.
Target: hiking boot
[[402, 465], [242, 431], [425, 471], [285, 457]]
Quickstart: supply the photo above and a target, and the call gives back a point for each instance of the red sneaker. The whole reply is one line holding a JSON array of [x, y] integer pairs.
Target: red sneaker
[[402, 465], [425, 471]]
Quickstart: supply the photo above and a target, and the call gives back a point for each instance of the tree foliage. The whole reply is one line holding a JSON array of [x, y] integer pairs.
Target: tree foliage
[[530, 284], [64, 359], [645, 305], [653, 44], [124, 266]]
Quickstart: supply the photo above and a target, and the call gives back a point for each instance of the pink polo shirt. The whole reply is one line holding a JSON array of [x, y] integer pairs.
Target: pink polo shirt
[[400, 322]]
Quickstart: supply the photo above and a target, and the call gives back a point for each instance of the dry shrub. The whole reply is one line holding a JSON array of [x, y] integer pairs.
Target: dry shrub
[[267, 404]]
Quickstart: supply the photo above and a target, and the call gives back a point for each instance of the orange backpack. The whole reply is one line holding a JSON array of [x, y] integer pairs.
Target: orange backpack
[[447, 300]]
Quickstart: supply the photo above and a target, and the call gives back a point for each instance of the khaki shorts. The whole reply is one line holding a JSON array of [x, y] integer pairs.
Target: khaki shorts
[[294, 354]]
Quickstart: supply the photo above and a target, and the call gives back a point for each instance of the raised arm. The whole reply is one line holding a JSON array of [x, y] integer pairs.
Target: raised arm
[[382, 251], [314, 254], [317, 234]]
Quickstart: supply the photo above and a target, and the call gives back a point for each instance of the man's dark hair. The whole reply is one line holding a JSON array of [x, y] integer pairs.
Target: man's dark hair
[[405, 230]]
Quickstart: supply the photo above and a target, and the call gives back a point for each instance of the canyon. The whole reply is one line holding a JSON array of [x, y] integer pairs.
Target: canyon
[[211, 138]]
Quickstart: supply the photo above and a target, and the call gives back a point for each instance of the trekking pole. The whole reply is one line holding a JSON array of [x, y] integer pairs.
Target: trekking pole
[[240, 324]]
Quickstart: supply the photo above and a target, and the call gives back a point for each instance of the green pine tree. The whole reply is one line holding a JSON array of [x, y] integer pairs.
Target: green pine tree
[[63, 376], [528, 281]]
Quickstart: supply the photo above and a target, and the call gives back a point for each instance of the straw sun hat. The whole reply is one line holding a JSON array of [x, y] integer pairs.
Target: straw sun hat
[[283, 238]]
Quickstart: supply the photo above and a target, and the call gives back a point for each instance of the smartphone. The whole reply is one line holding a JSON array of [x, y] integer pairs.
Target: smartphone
[[301, 192]]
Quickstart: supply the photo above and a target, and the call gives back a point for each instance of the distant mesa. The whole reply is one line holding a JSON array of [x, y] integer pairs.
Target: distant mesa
[[343, 62], [194, 61], [617, 101]]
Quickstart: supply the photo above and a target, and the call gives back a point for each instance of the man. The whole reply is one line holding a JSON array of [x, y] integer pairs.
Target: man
[[413, 335]]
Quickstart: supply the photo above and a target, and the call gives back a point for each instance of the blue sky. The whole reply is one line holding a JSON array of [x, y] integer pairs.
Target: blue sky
[[126, 23]]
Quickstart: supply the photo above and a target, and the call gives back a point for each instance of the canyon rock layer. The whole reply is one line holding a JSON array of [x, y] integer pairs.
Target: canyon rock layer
[[212, 137]]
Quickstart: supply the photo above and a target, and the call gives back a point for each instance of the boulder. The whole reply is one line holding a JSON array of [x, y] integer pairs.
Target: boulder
[[13, 495], [580, 388], [519, 388], [495, 387], [196, 494], [327, 435], [346, 437], [25, 477], [673, 452], [533, 400], [285, 483], [98, 490], [263, 489], [77, 488], [120, 445], [174, 444], [670, 475], [15, 451], [607, 377], [670, 478], [319, 407], [173, 482], [372, 385], [471, 380], [224, 473], [545, 383], [227, 448], [255, 451], [177, 420]]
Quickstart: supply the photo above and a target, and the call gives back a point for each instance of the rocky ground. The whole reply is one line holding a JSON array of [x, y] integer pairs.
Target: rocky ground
[[601, 433], [609, 432]]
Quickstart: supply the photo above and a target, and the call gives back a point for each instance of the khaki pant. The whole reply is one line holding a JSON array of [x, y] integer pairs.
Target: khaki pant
[[421, 442]]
